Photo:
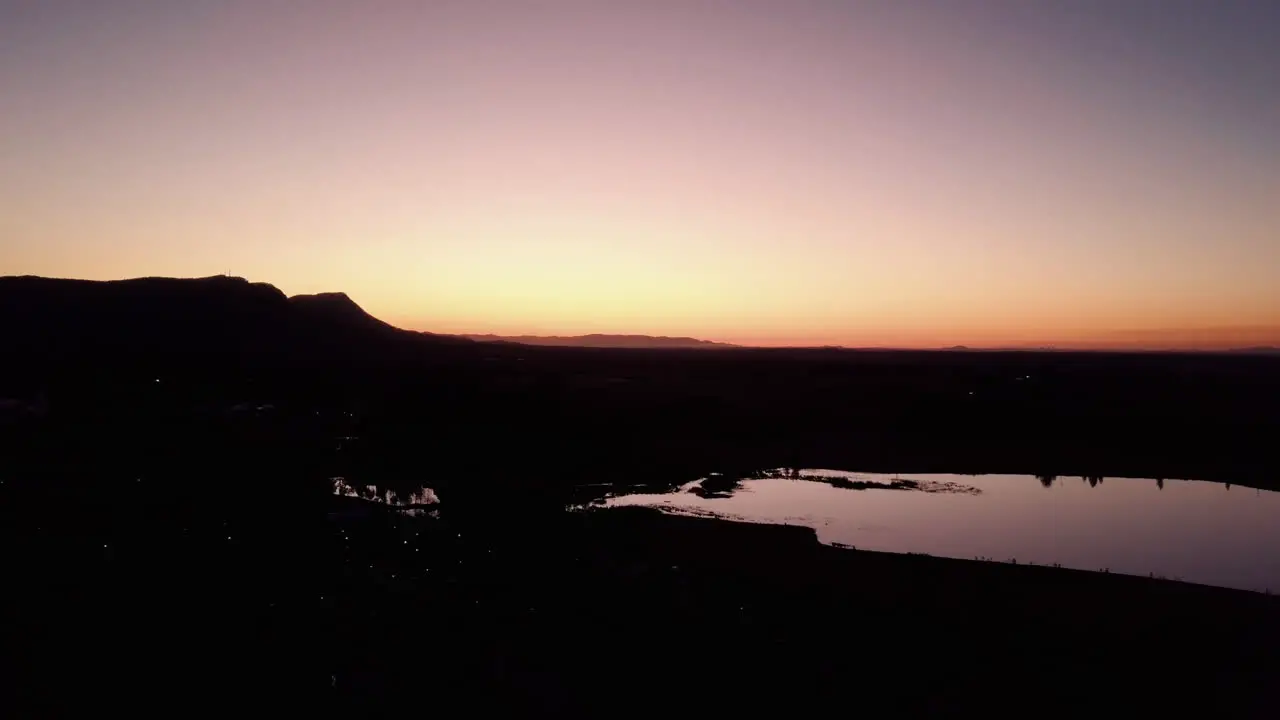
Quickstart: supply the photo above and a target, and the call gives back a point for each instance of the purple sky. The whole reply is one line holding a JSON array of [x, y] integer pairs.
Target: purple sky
[[859, 173]]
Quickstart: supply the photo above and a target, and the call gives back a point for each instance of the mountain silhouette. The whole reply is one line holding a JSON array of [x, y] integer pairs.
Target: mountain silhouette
[[597, 340], [337, 313], [1262, 350], [159, 321]]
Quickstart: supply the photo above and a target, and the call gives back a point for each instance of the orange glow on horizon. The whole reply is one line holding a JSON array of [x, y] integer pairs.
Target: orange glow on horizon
[[886, 174]]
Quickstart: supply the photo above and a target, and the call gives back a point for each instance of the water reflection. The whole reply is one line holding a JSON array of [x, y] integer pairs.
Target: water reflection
[[717, 486], [1178, 529], [850, 481], [1091, 480], [372, 493]]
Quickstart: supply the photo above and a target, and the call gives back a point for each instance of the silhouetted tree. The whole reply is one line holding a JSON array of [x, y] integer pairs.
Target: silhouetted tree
[[1046, 480], [1160, 483]]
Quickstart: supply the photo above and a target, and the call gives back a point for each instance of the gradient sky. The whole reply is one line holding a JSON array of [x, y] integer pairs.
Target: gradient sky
[[1100, 172]]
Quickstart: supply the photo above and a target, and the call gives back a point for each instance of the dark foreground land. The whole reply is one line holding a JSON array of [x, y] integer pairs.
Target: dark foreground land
[[171, 541], [368, 612]]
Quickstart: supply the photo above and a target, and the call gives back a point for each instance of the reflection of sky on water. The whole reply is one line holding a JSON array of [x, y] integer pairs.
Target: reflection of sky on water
[[421, 496], [1197, 531]]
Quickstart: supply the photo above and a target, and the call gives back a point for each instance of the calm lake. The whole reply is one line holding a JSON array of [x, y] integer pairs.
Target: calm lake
[[1199, 532]]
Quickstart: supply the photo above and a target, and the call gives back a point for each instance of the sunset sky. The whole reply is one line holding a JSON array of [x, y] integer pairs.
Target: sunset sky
[[1003, 172]]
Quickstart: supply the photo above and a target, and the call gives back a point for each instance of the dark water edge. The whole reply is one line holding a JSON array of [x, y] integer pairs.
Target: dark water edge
[[637, 609], [1184, 530]]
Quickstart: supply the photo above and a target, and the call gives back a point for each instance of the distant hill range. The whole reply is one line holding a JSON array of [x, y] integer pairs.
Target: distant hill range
[[605, 341], [1263, 350], [223, 323], [216, 323], [1256, 351]]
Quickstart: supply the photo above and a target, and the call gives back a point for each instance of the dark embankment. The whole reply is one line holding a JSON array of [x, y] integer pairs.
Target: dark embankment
[[609, 415], [635, 611]]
